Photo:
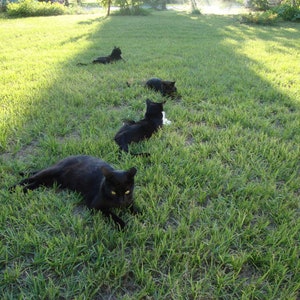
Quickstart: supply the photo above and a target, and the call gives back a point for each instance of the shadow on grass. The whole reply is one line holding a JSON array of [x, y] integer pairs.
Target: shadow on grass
[[83, 106]]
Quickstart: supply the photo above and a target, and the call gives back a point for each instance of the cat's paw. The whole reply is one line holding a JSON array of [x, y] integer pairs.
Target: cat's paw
[[134, 210]]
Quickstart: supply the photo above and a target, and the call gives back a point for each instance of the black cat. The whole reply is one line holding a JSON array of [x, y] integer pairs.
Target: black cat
[[114, 56], [101, 186], [165, 87], [135, 132]]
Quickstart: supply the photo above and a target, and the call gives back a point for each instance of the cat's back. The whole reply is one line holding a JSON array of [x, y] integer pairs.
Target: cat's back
[[154, 83], [80, 172], [135, 132], [81, 161], [101, 60]]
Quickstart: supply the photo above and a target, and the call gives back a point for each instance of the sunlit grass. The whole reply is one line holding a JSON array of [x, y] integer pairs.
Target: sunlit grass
[[219, 195], [274, 55]]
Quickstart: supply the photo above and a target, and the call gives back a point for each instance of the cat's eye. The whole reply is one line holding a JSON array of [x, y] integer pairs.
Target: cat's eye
[[127, 192], [113, 193]]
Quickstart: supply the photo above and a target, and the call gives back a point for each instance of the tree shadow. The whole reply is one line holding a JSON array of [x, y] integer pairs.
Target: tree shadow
[[106, 84]]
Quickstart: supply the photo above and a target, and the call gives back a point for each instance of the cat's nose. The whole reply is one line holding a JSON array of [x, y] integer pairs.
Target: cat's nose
[[125, 200]]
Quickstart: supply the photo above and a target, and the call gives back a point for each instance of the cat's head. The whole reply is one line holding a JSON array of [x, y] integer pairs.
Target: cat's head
[[118, 187], [116, 53], [154, 109], [169, 88]]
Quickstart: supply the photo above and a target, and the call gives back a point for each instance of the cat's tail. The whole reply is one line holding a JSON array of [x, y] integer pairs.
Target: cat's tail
[[81, 64], [139, 83]]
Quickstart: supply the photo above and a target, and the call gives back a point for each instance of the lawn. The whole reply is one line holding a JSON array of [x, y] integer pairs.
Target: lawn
[[220, 193]]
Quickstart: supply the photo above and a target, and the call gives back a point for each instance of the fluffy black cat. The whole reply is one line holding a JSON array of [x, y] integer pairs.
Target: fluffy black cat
[[132, 131], [101, 186], [165, 87], [114, 56]]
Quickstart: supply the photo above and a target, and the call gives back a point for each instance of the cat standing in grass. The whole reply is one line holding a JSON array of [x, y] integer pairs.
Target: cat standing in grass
[[134, 132], [101, 186]]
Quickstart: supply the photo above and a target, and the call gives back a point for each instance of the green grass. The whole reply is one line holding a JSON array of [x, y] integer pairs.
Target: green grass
[[219, 195]]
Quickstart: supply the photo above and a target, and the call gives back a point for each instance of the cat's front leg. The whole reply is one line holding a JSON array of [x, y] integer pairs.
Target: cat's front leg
[[115, 218], [134, 210]]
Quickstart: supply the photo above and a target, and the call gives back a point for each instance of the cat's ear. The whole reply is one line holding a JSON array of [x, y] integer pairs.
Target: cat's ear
[[132, 171], [106, 172], [173, 82], [148, 101]]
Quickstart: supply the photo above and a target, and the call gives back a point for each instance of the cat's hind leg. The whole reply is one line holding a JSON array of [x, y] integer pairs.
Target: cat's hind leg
[[122, 143], [46, 177], [26, 184]]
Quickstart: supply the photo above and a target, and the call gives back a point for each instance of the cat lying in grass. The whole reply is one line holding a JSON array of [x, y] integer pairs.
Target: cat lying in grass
[[165, 87], [101, 186], [132, 131], [114, 56]]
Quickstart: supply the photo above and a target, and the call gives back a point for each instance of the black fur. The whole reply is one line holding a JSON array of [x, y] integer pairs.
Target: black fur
[[114, 56], [135, 132], [101, 186], [165, 87]]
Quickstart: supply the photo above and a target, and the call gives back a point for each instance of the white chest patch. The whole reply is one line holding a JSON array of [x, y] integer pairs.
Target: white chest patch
[[165, 120]]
